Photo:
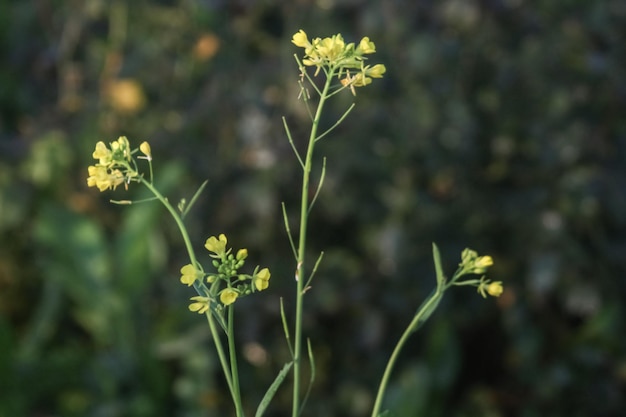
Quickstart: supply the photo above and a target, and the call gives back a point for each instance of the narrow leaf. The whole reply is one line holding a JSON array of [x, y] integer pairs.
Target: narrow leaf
[[288, 229], [271, 391], [337, 123], [312, 378], [293, 146], [194, 198], [285, 327], [319, 186], [441, 278], [314, 270]]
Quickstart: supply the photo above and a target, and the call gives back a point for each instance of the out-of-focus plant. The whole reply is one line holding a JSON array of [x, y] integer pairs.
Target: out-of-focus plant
[[342, 66]]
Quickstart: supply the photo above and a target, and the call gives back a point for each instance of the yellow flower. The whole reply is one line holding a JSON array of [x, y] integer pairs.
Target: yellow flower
[[262, 279], [200, 304], [102, 153], [300, 39], [360, 80], [217, 245], [331, 48], [145, 149], [483, 262], [366, 46], [376, 71], [124, 146], [242, 254], [480, 265], [228, 296], [189, 274], [495, 289], [100, 177], [116, 178], [337, 57]]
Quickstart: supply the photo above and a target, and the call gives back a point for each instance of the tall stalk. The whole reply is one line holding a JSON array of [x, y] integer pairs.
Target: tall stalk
[[300, 268]]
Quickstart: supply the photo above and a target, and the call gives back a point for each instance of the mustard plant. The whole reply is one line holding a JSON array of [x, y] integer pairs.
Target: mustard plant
[[341, 66]]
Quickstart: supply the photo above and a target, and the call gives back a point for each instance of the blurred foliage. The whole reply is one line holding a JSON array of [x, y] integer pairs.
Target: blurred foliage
[[500, 125]]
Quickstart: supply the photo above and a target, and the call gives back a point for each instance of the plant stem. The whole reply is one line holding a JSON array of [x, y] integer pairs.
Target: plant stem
[[419, 317], [177, 219], [300, 278], [233, 361], [232, 385], [234, 393]]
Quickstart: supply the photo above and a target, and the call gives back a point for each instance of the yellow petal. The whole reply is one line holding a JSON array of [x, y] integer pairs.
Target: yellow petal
[[228, 296], [300, 39]]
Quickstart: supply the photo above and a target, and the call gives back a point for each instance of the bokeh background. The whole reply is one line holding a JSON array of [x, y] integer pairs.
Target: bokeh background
[[500, 125]]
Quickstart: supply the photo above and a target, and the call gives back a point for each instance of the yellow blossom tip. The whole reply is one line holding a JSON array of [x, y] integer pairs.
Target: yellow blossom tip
[[200, 304], [262, 279], [495, 289], [483, 262], [366, 46], [189, 274], [216, 245], [242, 254], [228, 296], [300, 39], [145, 149]]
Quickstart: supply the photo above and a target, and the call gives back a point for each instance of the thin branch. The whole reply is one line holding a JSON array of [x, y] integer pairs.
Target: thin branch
[[337, 123], [286, 327], [303, 71], [293, 146], [288, 229], [317, 263], [312, 377], [194, 198], [319, 186]]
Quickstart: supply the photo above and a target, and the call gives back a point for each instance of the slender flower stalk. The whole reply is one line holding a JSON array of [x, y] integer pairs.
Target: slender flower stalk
[[471, 263], [116, 166], [229, 369], [334, 58], [300, 272]]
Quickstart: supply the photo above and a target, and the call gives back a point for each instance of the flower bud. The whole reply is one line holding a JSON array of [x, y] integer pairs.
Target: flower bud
[[145, 149], [495, 289], [242, 254]]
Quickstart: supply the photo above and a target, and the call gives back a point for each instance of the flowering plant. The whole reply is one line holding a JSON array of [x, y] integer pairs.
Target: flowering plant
[[343, 67]]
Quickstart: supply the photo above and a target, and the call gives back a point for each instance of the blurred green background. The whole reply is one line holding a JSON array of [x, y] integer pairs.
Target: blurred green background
[[500, 125]]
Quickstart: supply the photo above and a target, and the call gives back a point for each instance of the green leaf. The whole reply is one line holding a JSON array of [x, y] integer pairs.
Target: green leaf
[[428, 306], [441, 278], [267, 398]]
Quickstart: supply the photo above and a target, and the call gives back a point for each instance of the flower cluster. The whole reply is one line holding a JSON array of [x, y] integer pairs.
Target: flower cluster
[[336, 57], [115, 164], [226, 282], [471, 263]]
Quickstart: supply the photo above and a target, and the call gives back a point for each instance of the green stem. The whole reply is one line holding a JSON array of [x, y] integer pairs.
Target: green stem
[[233, 362], [177, 219], [233, 386], [427, 308], [300, 278]]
